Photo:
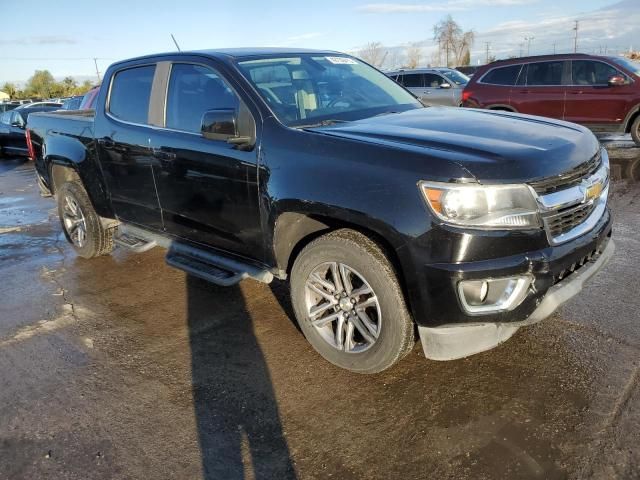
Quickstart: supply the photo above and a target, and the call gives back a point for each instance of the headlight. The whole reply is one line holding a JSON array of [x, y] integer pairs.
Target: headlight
[[492, 207]]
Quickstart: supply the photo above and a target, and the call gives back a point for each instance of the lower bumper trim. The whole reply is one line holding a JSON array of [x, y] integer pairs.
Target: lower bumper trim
[[450, 342]]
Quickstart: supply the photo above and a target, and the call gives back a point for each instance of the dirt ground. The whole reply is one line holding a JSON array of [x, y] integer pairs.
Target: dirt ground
[[122, 367]]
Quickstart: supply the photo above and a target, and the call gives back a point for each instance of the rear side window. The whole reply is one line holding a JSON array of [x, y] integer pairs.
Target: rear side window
[[412, 80], [588, 72], [193, 90], [503, 75], [545, 73], [130, 94]]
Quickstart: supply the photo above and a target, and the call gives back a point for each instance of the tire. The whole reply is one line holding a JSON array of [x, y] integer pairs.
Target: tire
[[635, 131], [75, 209], [389, 329]]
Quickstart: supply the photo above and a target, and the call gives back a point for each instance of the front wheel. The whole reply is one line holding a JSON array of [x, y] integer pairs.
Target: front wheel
[[635, 130], [349, 303], [81, 224]]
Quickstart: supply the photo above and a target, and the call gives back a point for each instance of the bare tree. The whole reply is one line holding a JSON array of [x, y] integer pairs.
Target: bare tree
[[373, 53], [414, 54], [453, 42]]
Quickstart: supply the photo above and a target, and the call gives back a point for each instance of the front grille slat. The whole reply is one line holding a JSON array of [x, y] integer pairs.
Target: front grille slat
[[565, 222], [570, 178]]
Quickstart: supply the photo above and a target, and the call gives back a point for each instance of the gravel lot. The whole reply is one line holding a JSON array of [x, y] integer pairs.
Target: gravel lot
[[122, 367]]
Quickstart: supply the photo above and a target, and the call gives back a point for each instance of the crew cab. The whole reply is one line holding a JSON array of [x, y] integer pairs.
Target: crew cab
[[386, 217]]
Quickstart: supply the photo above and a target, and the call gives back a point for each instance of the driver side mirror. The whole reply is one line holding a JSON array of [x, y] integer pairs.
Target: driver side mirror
[[445, 85], [223, 124], [616, 81]]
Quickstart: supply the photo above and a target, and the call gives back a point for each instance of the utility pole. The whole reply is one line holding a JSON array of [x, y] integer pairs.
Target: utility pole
[[528, 40], [488, 45], [554, 48], [521, 45], [575, 38], [95, 61]]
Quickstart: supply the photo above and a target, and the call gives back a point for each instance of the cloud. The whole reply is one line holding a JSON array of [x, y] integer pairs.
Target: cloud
[[41, 40], [452, 5]]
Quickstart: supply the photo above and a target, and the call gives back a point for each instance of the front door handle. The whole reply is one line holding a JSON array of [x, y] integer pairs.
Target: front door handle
[[107, 142], [579, 92], [525, 91], [163, 155]]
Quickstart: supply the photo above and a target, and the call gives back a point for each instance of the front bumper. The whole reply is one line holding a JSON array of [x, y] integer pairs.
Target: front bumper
[[449, 342]]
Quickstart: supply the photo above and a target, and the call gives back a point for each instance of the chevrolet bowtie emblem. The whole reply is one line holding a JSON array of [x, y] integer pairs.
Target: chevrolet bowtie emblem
[[593, 191]]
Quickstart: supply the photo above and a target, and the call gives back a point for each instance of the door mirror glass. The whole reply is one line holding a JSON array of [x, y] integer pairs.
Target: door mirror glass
[[445, 85], [616, 80], [219, 124]]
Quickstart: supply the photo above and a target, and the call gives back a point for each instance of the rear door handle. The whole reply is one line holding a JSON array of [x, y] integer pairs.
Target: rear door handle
[[576, 93]]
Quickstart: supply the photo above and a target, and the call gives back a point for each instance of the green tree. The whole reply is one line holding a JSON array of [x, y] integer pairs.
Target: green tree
[[41, 84], [10, 89]]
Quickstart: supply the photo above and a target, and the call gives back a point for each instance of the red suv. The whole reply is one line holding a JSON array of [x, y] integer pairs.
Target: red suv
[[602, 93]]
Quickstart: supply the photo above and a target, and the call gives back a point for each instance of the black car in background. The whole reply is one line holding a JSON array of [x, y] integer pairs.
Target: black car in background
[[12, 128]]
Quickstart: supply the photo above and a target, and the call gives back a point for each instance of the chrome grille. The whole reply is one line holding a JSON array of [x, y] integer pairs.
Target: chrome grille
[[566, 221], [572, 208], [569, 179]]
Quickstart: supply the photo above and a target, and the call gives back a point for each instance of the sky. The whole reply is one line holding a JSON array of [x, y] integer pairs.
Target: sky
[[64, 37]]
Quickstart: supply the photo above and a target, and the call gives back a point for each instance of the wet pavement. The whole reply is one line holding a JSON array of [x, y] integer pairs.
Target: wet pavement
[[121, 367]]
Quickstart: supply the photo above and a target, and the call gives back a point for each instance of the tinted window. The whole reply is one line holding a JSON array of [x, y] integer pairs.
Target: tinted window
[[412, 80], [130, 93], [545, 73], [5, 118], [432, 80], [455, 76], [587, 72], [192, 91], [503, 75]]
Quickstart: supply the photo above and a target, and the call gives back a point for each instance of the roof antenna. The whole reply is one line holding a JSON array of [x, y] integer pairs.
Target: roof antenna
[[174, 41]]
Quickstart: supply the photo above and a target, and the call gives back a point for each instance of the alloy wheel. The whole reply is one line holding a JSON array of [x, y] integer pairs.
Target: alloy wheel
[[74, 221]]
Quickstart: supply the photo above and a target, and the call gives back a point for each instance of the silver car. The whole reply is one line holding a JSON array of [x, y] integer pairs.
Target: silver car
[[433, 86]]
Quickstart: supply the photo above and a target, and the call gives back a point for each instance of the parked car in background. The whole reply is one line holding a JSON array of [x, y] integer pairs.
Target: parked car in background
[[468, 70], [602, 93], [89, 99], [39, 104], [6, 106], [12, 128], [314, 167], [433, 86], [73, 103]]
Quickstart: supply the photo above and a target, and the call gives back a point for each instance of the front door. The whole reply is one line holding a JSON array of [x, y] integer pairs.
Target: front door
[[123, 136], [590, 99], [540, 90], [208, 189], [434, 94]]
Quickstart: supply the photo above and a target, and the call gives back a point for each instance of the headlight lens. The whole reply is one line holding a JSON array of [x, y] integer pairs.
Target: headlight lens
[[491, 207]]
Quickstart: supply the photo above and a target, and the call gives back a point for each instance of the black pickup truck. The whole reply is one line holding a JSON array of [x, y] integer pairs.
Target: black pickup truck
[[385, 216]]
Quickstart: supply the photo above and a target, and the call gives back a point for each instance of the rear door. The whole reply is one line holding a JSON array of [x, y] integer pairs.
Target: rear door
[[208, 189], [540, 89], [590, 99], [123, 135]]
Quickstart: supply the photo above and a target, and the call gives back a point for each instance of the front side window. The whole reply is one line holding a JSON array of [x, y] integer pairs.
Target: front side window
[[308, 89], [545, 73], [588, 72], [431, 80], [502, 75], [193, 90], [130, 94]]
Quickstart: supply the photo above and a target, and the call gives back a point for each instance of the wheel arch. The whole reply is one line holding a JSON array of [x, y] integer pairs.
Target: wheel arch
[[631, 117], [501, 107]]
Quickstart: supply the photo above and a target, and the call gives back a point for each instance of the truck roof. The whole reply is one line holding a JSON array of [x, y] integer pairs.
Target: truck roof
[[238, 53]]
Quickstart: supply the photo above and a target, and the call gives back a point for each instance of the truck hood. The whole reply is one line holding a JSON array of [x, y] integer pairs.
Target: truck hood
[[494, 147]]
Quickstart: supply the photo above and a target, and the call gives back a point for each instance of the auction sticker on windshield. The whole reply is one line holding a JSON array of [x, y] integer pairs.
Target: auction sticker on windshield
[[342, 60]]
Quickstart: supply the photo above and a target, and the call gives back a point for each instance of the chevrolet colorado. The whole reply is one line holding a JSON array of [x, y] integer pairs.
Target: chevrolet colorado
[[385, 216]]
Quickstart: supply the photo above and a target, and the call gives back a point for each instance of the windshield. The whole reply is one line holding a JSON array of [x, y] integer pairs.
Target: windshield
[[309, 89], [455, 76], [628, 64]]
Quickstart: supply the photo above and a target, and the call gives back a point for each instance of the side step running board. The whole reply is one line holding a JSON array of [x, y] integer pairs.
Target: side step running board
[[213, 268], [133, 243]]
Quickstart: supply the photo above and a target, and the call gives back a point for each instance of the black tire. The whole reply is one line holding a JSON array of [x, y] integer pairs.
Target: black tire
[[365, 260], [635, 131], [97, 240]]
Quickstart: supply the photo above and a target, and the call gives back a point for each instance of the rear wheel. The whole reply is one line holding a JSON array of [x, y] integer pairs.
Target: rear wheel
[[349, 304], [81, 224], [635, 130]]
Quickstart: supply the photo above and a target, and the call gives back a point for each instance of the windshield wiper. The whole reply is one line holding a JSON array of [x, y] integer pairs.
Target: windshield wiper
[[321, 123]]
